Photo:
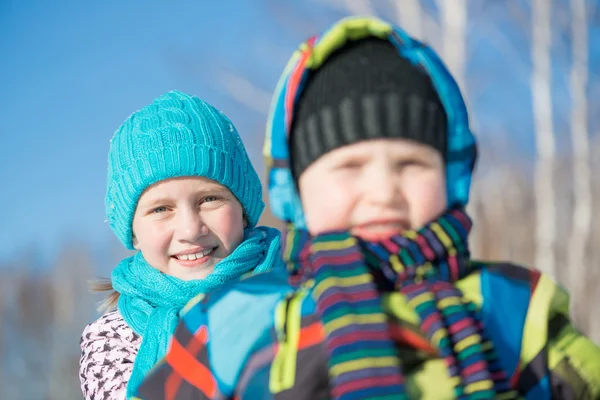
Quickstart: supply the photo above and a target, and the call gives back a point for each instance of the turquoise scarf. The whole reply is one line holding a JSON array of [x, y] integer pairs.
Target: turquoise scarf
[[150, 301]]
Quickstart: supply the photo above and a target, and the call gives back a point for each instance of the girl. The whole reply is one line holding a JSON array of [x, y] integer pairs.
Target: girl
[[183, 192]]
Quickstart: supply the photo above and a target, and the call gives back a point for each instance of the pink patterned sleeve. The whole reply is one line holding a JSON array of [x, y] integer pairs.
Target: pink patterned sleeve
[[108, 350]]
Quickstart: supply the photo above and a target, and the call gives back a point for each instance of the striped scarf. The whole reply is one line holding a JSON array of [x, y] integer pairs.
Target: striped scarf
[[349, 275]]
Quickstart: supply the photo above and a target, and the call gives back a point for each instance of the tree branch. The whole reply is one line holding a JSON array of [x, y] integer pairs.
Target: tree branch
[[245, 92]]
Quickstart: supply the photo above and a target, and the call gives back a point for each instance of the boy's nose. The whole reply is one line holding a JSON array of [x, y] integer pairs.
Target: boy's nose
[[381, 188]]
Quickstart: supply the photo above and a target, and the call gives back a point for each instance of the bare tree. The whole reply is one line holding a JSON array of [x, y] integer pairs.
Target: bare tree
[[544, 137], [453, 21], [453, 50], [73, 305], [409, 15], [582, 208], [245, 92]]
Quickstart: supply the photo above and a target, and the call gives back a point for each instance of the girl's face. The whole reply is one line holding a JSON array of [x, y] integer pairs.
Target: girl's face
[[185, 226]]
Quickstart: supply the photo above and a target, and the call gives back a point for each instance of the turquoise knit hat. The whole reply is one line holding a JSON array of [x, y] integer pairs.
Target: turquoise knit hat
[[177, 135]]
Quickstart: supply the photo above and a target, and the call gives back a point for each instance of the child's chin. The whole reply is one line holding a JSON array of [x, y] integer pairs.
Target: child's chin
[[195, 274]]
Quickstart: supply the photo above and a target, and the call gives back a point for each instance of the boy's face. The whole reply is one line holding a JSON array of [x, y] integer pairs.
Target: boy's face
[[375, 188], [185, 226]]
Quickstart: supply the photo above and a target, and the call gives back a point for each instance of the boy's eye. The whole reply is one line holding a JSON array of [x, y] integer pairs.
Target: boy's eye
[[159, 210], [351, 164], [209, 199], [409, 163]]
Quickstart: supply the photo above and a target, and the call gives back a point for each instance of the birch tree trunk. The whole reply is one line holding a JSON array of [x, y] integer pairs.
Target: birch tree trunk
[[544, 137], [409, 16], [453, 50], [577, 262], [453, 21]]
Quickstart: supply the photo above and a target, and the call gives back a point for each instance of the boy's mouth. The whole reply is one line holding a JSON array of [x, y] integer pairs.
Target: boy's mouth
[[381, 229]]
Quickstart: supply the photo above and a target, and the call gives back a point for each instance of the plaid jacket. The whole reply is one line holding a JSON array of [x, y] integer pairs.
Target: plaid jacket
[[261, 339]]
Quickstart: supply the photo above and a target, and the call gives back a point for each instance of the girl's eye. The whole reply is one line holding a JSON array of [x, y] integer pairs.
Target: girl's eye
[[159, 210], [211, 199]]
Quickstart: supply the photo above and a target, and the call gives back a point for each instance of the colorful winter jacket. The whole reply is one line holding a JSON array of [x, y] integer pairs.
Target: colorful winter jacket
[[409, 317]]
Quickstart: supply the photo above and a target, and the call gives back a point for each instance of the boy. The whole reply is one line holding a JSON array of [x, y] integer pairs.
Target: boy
[[370, 158]]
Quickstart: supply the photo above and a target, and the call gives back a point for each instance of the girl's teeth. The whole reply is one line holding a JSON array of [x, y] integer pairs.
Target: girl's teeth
[[192, 257]]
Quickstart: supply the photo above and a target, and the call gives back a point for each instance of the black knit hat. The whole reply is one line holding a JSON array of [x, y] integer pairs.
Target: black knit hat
[[365, 90]]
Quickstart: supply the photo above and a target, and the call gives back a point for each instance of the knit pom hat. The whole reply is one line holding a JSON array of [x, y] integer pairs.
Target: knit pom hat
[[177, 135], [365, 90]]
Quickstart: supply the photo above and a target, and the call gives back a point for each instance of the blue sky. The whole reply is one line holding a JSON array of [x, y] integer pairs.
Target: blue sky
[[72, 71]]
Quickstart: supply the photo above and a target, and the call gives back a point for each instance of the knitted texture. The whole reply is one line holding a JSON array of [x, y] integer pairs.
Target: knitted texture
[[275, 347], [151, 305], [365, 90], [423, 265], [177, 135]]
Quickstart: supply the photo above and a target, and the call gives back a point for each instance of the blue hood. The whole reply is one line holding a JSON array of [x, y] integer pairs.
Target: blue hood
[[461, 151]]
